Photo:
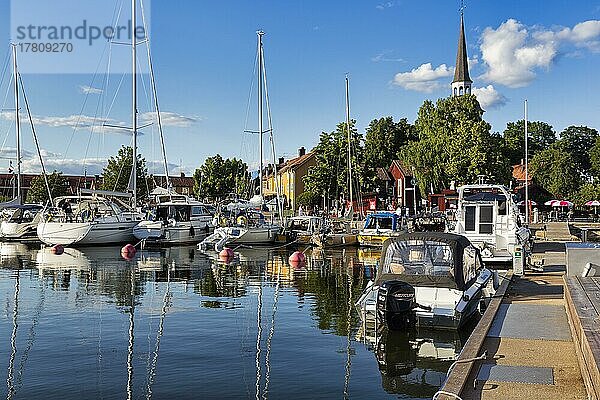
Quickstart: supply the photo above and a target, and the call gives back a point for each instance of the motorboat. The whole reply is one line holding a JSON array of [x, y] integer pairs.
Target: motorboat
[[21, 222], [300, 229], [174, 220], [88, 220], [426, 279], [248, 228], [489, 217], [380, 226], [336, 233]]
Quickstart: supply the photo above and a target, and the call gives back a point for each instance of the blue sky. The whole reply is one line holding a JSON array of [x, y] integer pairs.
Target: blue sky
[[397, 54]]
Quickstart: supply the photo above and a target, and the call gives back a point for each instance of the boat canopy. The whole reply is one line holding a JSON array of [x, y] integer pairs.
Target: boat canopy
[[431, 259], [383, 220], [486, 196]]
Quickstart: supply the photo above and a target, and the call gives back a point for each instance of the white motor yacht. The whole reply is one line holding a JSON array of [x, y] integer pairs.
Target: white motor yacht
[[489, 217], [21, 224], [175, 219]]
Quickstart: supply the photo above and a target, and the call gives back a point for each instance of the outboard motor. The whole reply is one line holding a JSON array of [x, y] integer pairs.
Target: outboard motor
[[395, 304]]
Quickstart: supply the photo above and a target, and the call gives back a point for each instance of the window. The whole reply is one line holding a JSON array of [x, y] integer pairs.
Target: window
[[460, 90], [468, 90], [486, 218], [455, 91], [470, 218]]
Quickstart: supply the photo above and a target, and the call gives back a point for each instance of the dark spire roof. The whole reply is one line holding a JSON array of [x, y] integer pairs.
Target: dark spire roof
[[461, 72]]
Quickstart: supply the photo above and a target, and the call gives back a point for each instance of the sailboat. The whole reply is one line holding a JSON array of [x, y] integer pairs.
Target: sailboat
[[92, 217], [20, 220], [243, 231], [338, 232]]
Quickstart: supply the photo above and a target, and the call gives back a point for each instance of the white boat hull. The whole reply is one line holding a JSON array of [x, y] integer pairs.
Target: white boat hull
[[180, 233], [86, 233], [18, 231], [224, 236]]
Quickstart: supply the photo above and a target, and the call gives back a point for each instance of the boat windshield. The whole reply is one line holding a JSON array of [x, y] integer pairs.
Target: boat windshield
[[419, 257], [380, 223]]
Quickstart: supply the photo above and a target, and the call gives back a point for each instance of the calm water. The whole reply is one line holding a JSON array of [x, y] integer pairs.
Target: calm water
[[179, 324]]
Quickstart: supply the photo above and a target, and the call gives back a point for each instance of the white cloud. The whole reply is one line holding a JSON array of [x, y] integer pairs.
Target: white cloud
[[489, 97], [384, 5], [386, 56], [169, 119], [425, 78], [513, 53], [90, 90]]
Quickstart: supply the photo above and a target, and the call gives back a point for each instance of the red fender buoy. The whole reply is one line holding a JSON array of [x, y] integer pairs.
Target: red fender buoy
[[128, 251], [297, 260], [226, 254], [57, 249]]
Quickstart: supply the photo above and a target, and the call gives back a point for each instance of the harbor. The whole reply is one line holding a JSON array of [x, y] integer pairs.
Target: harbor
[[305, 200]]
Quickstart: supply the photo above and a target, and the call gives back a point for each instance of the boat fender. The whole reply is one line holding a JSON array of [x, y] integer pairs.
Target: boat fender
[[57, 249], [192, 231], [128, 251], [242, 220]]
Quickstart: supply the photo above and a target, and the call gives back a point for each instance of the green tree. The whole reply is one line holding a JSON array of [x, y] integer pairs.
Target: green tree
[[217, 177], [117, 173], [329, 177], [594, 155], [587, 192], [455, 144], [383, 140], [308, 199], [541, 135], [38, 193], [555, 170], [578, 141]]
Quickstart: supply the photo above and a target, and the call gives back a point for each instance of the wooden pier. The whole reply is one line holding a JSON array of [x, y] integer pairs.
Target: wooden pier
[[538, 339]]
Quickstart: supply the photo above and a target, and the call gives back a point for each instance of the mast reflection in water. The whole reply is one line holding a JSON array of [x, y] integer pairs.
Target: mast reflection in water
[[177, 323]]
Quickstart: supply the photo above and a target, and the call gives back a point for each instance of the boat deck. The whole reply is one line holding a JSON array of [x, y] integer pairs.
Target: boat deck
[[531, 353]]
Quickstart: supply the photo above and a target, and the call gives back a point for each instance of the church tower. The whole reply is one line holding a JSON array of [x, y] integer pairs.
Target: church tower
[[462, 82]]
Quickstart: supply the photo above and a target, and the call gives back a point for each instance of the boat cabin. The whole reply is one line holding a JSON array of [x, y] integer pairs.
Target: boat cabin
[[383, 221]]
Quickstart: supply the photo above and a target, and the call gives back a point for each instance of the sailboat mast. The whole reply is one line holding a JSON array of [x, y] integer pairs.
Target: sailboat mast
[[134, 99], [17, 122], [349, 141], [526, 168], [260, 111]]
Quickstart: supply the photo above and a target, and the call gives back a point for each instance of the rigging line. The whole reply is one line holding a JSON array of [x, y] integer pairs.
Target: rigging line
[[271, 138], [349, 341], [156, 105], [10, 376], [30, 338], [9, 126], [258, 336], [5, 65], [265, 394], [249, 100], [87, 95], [166, 303], [131, 337], [37, 144]]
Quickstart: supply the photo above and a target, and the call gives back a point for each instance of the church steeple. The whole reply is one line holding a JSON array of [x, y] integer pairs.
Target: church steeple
[[462, 82]]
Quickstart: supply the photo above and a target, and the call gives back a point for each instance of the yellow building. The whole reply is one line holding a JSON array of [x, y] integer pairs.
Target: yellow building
[[290, 176]]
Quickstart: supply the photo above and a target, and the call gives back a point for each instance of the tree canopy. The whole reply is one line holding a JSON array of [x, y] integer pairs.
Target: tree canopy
[[38, 193], [541, 135], [555, 170], [218, 177], [117, 173], [329, 177], [455, 144], [578, 141]]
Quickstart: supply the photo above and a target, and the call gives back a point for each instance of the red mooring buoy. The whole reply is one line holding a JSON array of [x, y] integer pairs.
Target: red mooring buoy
[[297, 260], [128, 251], [226, 254], [57, 249]]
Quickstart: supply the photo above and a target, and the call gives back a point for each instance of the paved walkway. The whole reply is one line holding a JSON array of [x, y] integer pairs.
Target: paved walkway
[[531, 354]]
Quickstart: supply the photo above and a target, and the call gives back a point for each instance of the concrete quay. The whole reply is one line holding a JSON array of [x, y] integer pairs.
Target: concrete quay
[[530, 342]]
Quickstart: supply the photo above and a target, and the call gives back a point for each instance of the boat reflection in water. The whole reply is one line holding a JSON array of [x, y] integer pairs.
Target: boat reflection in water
[[131, 326], [415, 363]]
